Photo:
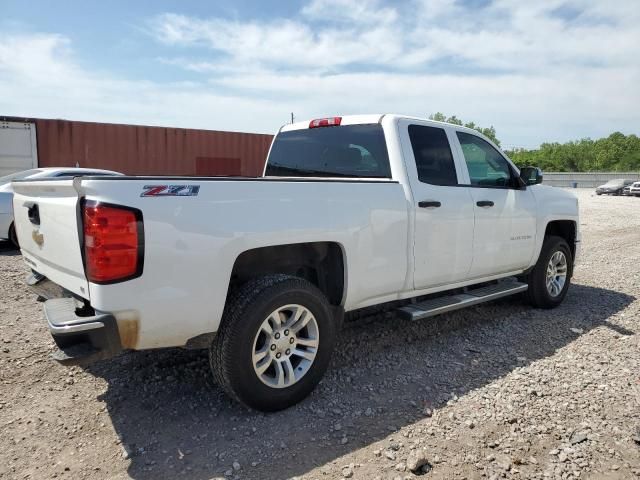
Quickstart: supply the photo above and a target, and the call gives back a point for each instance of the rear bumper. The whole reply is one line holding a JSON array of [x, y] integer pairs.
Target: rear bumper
[[80, 339]]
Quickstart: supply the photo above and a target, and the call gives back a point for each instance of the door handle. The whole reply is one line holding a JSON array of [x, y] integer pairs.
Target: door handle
[[484, 203], [429, 204]]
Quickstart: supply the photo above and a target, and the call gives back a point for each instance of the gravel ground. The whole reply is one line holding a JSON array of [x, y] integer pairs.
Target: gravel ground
[[496, 391]]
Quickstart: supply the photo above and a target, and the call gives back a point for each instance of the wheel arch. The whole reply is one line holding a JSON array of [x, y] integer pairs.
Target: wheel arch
[[321, 263], [566, 229]]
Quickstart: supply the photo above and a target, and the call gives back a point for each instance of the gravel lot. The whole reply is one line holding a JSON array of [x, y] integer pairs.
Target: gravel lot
[[499, 390]]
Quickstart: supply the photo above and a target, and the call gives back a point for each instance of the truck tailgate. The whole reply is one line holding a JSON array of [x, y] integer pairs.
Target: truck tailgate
[[47, 225]]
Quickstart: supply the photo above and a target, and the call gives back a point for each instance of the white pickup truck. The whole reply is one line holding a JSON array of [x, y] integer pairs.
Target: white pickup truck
[[352, 212]]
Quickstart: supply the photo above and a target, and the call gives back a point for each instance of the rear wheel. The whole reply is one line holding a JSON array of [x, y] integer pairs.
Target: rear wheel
[[550, 278], [274, 343], [12, 235]]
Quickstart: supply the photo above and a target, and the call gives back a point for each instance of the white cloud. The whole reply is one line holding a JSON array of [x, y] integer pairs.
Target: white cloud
[[505, 34], [280, 43], [522, 67], [38, 78], [362, 12]]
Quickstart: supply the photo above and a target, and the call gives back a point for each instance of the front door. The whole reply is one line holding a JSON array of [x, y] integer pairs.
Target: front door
[[505, 213], [443, 210]]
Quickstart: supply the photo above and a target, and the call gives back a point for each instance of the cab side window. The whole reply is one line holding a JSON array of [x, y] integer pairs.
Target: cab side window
[[432, 152], [487, 167]]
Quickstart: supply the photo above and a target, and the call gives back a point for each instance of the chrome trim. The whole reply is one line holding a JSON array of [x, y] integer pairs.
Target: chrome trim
[[62, 318], [74, 327]]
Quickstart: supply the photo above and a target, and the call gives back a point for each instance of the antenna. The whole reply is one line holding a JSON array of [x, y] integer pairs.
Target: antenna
[[292, 117]]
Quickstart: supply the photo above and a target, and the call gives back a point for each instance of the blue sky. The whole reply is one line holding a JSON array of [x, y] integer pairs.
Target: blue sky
[[550, 71]]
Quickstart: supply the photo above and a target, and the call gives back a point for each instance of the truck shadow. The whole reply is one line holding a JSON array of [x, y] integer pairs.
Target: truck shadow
[[386, 374]]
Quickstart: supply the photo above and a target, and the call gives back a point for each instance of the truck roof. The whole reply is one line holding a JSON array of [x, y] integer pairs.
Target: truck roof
[[377, 118], [368, 119]]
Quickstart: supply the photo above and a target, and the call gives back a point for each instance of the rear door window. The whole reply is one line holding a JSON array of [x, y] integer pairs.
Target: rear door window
[[432, 153], [342, 151]]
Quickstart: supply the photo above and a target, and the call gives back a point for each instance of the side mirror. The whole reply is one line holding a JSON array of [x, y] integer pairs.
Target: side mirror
[[531, 175]]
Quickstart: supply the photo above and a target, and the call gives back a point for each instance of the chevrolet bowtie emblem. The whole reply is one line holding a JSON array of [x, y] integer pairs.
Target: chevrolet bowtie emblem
[[37, 237]]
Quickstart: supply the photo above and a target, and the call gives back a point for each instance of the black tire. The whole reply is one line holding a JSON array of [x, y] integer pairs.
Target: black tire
[[537, 293], [231, 352], [12, 235]]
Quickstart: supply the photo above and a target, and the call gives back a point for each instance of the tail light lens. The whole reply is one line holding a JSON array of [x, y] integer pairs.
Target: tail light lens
[[113, 242]]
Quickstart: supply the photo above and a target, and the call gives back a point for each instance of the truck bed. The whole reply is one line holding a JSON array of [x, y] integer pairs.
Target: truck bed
[[195, 228]]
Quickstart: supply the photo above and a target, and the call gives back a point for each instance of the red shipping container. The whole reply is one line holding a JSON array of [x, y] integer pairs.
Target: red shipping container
[[144, 150]]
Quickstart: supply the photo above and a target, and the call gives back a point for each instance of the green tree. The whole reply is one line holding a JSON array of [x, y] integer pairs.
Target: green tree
[[438, 117], [616, 153], [487, 132]]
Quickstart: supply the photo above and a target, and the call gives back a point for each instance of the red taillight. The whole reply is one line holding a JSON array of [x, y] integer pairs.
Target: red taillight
[[112, 242], [325, 122]]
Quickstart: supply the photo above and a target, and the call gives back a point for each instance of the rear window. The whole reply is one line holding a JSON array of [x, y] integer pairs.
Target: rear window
[[344, 151]]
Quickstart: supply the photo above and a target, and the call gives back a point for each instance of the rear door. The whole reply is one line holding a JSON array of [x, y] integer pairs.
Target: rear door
[[47, 225], [443, 235], [505, 212]]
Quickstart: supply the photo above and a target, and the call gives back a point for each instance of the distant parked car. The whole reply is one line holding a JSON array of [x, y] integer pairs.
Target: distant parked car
[[626, 190], [7, 230], [634, 189], [613, 187]]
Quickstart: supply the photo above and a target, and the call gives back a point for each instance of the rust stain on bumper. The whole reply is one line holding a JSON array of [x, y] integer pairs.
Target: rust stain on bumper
[[129, 331]]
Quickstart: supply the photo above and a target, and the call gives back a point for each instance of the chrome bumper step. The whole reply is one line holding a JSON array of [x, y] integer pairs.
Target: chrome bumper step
[[449, 303]]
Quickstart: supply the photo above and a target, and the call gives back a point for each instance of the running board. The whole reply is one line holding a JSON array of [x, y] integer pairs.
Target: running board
[[435, 306]]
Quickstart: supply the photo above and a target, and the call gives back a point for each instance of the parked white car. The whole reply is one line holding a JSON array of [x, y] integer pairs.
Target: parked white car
[[352, 212], [635, 189], [7, 230]]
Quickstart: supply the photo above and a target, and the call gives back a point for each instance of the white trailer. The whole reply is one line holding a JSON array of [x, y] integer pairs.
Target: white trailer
[[18, 147]]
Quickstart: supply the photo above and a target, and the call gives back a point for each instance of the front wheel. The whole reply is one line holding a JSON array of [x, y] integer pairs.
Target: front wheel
[[274, 343], [550, 278]]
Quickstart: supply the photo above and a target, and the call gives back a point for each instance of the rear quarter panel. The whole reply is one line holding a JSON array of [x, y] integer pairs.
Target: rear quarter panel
[[192, 242]]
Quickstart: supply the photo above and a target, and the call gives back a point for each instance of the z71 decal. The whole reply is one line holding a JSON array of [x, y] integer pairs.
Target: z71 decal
[[170, 190]]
